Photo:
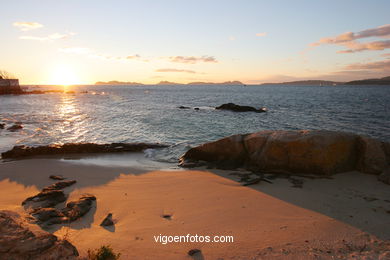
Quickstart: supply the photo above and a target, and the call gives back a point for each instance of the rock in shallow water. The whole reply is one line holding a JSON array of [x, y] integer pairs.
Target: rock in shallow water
[[237, 108], [20, 151], [20, 240], [314, 152]]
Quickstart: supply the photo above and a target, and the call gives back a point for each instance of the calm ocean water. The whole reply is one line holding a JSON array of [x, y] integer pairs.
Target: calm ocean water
[[149, 114]]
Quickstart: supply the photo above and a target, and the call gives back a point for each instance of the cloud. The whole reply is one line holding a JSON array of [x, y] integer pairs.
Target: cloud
[[348, 40], [133, 57], [75, 50], [261, 34], [27, 26], [51, 37], [192, 59], [357, 47], [383, 65], [175, 70]]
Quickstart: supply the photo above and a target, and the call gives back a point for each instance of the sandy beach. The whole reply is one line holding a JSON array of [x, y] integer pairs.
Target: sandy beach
[[327, 218]]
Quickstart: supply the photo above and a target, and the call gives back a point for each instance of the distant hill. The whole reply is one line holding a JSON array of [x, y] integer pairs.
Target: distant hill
[[381, 81], [114, 82], [229, 83], [308, 83]]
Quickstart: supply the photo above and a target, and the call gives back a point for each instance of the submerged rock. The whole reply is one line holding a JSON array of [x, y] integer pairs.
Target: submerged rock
[[237, 108], [15, 127], [20, 151], [313, 152], [20, 240], [183, 107], [107, 221]]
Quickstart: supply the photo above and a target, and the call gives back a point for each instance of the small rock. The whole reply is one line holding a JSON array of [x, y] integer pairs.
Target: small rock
[[167, 216], [14, 127], [59, 185], [57, 177], [107, 221], [76, 209], [194, 251], [2, 126], [237, 108], [183, 107], [196, 108]]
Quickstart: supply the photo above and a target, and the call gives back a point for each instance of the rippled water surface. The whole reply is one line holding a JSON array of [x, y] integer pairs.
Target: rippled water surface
[[108, 114]]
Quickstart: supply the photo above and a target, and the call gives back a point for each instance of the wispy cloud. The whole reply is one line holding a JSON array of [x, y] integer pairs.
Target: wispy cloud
[[27, 26], [261, 34], [383, 65], [193, 59], [102, 56], [51, 37], [75, 50], [176, 70], [349, 40]]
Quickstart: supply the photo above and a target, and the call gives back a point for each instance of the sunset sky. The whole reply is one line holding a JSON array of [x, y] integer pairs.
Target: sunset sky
[[84, 41]]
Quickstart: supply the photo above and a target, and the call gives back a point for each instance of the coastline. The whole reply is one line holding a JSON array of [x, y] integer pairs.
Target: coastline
[[267, 220]]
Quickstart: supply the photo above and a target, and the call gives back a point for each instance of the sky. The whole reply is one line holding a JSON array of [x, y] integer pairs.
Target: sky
[[253, 41]]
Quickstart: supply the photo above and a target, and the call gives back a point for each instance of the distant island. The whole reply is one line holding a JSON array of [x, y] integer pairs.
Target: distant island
[[114, 82], [308, 83], [379, 81]]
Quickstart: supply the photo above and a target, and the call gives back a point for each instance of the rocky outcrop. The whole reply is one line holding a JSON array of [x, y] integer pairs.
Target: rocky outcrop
[[237, 108], [20, 240], [49, 196], [73, 211], [313, 152], [69, 148], [45, 198]]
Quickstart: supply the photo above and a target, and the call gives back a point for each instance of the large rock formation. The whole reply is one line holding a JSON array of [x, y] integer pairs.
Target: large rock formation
[[69, 148], [313, 152], [20, 241]]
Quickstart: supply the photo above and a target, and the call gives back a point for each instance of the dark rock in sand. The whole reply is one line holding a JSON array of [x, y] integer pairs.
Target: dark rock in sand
[[15, 127], [76, 209], [57, 177], [49, 215], [59, 185], [237, 108], [193, 252], [183, 107], [314, 152], [20, 240], [70, 148], [2, 126], [107, 221], [196, 108], [45, 199]]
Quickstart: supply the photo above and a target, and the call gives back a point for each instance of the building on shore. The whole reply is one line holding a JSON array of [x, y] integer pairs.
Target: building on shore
[[9, 86]]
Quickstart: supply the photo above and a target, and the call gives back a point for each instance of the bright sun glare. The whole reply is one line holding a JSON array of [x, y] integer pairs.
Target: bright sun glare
[[64, 75]]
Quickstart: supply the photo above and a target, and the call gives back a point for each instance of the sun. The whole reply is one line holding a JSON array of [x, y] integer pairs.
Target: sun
[[64, 75]]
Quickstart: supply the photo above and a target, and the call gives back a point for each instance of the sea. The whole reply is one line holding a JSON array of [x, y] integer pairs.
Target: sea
[[148, 113]]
